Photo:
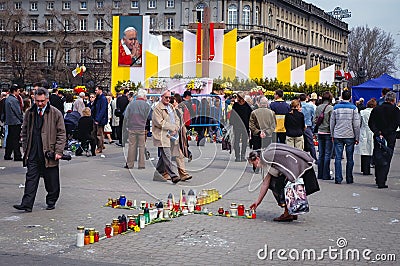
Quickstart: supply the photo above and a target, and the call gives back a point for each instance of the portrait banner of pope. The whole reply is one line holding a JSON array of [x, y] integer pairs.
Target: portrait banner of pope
[[130, 41]]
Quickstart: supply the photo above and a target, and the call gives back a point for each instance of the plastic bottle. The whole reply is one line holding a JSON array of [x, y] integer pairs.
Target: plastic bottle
[[147, 214]]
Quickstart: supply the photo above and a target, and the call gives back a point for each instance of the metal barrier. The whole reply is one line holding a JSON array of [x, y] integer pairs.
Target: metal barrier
[[208, 111]]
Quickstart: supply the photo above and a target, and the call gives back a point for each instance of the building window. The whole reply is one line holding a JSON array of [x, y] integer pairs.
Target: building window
[[34, 24], [82, 24], [170, 23], [2, 6], [34, 53], [2, 54], [134, 4], [270, 16], [152, 22], [116, 4], [17, 26], [49, 24], [67, 58], [2, 25], [246, 17], [170, 3], [83, 5], [50, 5], [17, 5], [152, 4], [257, 22], [49, 56], [67, 26], [34, 6], [100, 24], [200, 12], [232, 16], [17, 55], [99, 4], [82, 56], [99, 54], [67, 5]]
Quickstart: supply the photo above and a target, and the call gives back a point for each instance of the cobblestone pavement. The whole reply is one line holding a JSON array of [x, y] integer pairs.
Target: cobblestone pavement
[[365, 217]]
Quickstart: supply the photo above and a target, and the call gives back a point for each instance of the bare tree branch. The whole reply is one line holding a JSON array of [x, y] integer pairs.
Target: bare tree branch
[[373, 51]]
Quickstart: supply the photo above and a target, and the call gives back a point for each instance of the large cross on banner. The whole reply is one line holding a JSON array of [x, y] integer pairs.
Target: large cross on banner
[[208, 28]]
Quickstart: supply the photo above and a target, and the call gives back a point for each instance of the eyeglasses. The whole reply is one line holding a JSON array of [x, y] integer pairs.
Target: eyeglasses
[[167, 97]]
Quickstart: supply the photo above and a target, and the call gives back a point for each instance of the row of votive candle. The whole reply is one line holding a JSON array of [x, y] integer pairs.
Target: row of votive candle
[[86, 236]]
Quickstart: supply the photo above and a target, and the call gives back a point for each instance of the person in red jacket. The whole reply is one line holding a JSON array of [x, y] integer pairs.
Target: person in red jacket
[[130, 50]]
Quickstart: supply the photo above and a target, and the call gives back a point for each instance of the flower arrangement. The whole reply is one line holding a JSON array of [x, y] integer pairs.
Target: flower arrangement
[[228, 92], [259, 90], [79, 89], [158, 84], [127, 84], [226, 85], [287, 95], [194, 84]]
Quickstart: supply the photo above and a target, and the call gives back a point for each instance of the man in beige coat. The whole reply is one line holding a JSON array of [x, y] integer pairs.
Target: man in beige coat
[[165, 130]]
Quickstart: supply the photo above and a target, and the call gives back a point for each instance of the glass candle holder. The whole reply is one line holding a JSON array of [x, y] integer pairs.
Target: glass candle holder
[[107, 230]]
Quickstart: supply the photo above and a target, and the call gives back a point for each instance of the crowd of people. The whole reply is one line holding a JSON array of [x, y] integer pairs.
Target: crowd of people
[[129, 119]]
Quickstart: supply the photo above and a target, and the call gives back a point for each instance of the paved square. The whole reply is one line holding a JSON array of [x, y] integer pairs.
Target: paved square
[[359, 215]]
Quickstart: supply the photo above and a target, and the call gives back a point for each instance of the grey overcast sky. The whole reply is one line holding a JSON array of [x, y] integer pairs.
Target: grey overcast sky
[[384, 14]]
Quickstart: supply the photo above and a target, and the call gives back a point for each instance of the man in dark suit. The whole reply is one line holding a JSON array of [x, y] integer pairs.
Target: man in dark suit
[[43, 133], [384, 121], [56, 101], [13, 119], [122, 103]]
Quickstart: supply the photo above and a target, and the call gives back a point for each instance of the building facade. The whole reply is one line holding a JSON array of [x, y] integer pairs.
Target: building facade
[[45, 40]]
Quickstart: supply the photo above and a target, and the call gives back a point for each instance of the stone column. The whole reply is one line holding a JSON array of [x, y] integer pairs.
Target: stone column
[[254, 14], [240, 12]]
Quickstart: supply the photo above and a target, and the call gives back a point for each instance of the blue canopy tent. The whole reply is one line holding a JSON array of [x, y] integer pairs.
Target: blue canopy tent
[[373, 87]]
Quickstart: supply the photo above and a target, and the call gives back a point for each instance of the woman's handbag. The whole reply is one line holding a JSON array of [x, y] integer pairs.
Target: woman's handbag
[[117, 112]]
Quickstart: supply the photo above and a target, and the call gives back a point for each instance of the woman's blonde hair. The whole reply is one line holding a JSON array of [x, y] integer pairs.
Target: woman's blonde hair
[[86, 111], [294, 104]]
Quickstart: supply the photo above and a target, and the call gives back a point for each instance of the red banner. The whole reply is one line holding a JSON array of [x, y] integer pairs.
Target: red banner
[[198, 52], [212, 52]]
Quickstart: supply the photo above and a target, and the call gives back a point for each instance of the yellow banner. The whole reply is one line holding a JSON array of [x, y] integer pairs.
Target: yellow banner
[[229, 60], [256, 61], [284, 68], [176, 57], [312, 75]]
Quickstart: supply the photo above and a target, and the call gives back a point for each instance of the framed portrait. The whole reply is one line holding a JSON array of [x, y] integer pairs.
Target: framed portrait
[[130, 41]]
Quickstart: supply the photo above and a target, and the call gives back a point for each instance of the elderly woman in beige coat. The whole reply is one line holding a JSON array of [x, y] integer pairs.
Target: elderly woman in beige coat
[[176, 148], [165, 130]]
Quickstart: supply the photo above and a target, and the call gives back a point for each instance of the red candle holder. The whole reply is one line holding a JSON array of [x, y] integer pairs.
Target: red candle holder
[[107, 230]]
